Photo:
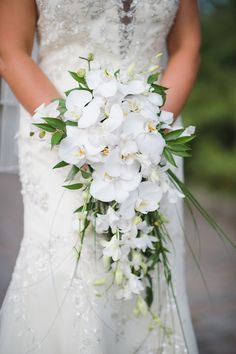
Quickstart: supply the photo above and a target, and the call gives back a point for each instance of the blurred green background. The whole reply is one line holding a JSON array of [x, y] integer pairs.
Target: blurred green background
[[212, 104]]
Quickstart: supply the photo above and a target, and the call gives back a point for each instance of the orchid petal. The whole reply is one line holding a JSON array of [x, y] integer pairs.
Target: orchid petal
[[90, 113]]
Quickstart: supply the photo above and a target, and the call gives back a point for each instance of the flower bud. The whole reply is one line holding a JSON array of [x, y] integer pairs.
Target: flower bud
[[100, 281], [81, 73], [142, 305], [90, 57], [118, 277], [136, 311], [106, 262], [137, 220], [42, 134]]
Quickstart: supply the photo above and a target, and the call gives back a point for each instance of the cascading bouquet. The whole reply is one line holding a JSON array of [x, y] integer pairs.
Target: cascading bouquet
[[120, 145]]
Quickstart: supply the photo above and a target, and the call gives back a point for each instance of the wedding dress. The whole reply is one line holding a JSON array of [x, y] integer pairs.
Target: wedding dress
[[51, 307]]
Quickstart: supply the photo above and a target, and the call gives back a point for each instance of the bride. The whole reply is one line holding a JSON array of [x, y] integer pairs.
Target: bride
[[47, 309]]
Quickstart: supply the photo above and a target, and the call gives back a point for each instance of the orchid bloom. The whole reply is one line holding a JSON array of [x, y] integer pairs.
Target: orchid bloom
[[77, 147], [83, 108], [102, 82], [114, 179], [44, 110], [104, 221], [144, 199]]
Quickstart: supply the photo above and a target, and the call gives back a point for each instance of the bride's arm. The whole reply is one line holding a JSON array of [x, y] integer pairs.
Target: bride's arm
[[183, 48], [17, 28]]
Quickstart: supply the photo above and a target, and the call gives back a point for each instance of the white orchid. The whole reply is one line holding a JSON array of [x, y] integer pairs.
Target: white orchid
[[50, 110], [83, 108], [149, 141], [102, 82], [114, 179], [188, 131], [44, 111], [77, 147], [144, 199], [104, 221], [112, 248], [136, 260], [166, 119], [115, 118], [145, 241], [148, 105], [133, 286]]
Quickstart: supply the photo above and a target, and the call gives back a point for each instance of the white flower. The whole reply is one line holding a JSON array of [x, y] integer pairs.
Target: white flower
[[144, 199], [44, 111], [152, 145], [188, 131], [77, 147], [102, 82], [114, 179], [82, 107], [159, 176], [133, 87], [112, 248], [144, 133], [115, 118], [104, 221], [166, 118], [136, 260], [145, 241], [49, 110], [133, 286]]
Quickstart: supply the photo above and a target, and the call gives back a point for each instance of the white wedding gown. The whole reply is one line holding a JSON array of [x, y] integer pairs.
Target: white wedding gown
[[49, 307]]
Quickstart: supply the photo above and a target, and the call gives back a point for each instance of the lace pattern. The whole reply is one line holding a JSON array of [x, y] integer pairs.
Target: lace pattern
[[121, 27]]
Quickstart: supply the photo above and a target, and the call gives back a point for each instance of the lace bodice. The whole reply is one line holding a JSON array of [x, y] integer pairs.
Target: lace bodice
[[124, 30]]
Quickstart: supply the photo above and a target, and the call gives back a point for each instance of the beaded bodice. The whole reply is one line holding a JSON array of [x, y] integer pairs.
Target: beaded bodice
[[125, 30]]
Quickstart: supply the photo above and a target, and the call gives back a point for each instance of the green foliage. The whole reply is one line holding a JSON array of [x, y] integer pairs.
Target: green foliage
[[212, 105]]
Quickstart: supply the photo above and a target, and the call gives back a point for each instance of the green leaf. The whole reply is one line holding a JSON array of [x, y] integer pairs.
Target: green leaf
[[74, 186], [149, 296], [168, 155], [71, 123], [69, 91], [45, 127], [181, 153], [60, 164], [173, 134], [79, 209], [61, 101], [79, 79], [185, 139], [56, 138], [116, 73], [55, 123], [159, 89], [73, 172], [178, 147], [152, 78]]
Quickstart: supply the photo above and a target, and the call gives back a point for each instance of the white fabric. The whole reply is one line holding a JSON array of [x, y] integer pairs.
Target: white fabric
[[9, 125], [9, 122], [51, 306]]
